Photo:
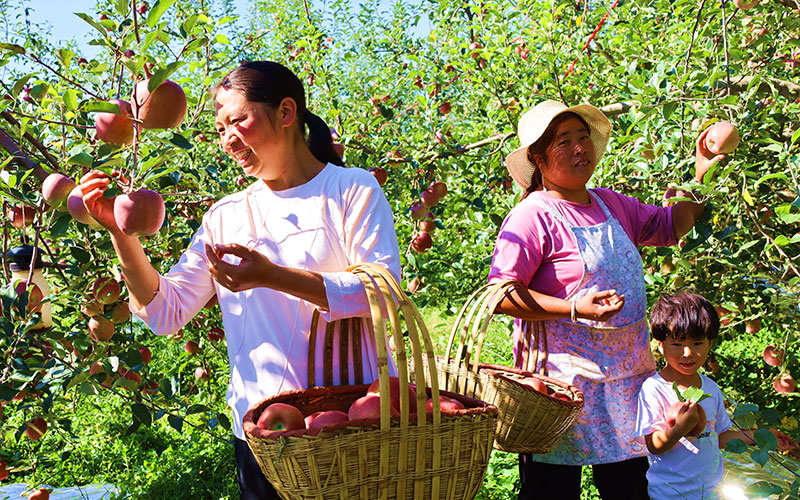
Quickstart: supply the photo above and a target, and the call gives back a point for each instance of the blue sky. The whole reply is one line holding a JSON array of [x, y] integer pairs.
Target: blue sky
[[65, 25]]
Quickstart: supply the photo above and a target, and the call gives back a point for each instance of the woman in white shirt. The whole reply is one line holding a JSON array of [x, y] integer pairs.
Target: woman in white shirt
[[272, 253]]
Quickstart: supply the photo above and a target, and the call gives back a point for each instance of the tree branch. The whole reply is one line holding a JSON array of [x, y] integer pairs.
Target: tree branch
[[38, 145], [20, 158]]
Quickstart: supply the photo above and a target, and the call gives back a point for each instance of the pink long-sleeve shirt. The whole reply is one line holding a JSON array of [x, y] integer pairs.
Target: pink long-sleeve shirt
[[538, 250], [338, 218]]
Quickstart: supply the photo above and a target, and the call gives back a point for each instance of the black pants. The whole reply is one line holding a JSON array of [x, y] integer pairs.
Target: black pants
[[616, 481], [252, 483]]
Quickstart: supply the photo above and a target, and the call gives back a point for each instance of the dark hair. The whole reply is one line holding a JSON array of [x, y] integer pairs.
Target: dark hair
[[540, 147], [269, 82], [684, 315]]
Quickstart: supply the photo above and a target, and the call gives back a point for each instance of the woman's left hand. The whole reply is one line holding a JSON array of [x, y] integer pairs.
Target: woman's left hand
[[703, 158], [253, 270]]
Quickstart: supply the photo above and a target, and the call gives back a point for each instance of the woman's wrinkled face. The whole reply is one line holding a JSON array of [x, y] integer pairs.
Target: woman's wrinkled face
[[245, 131], [570, 157]]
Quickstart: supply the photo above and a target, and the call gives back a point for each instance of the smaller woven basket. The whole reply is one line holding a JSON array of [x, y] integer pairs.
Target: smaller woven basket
[[440, 455], [530, 421]]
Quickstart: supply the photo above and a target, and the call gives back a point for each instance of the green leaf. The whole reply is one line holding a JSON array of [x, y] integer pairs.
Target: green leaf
[[12, 47], [141, 414], [760, 456], [65, 57], [70, 99], [161, 75], [157, 11], [122, 7], [197, 408], [80, 254], [81, 159], [99, 27], [175, 422], [736, 446], [766, 440], [180, 141], [762, 489]]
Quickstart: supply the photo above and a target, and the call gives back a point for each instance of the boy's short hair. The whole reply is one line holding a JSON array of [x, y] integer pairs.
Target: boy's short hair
[[684, 315]]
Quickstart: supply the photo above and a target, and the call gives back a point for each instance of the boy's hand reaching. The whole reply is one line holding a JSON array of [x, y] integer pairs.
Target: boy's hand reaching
[[686, 419]]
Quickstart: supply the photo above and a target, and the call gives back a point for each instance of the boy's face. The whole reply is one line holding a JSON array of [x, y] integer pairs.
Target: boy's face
[[685, 356]]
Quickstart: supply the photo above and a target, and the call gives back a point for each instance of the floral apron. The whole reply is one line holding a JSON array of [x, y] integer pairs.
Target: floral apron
[[609, 360]]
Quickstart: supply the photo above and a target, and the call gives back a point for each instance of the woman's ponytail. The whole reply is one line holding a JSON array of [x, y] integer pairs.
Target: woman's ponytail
[[319, 139]]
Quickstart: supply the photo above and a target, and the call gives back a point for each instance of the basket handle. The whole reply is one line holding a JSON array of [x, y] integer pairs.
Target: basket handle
[[472, 323], [349, 335]]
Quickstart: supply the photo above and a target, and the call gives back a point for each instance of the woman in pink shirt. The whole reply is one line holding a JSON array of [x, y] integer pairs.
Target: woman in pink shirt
[[574, 251], [272, 253]]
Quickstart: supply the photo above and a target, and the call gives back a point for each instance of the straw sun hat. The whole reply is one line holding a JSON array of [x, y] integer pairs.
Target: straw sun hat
[[533, 124]]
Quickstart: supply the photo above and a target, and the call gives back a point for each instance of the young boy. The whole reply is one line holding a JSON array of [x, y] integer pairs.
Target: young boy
[[685, 464]]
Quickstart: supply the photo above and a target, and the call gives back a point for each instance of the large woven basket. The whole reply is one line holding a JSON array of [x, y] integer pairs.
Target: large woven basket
[[529, 421], [440, 455]]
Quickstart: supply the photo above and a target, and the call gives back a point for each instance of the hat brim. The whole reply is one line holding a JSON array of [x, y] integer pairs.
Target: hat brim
[[521, 170]]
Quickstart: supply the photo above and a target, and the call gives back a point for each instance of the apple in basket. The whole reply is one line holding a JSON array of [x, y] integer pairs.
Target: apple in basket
[[281, 417], [369, 406], [535, 383], [445, 403], [394, 394], [321, 419]]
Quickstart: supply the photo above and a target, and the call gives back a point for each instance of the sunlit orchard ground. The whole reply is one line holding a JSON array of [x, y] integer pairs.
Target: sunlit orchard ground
[[159, 462]]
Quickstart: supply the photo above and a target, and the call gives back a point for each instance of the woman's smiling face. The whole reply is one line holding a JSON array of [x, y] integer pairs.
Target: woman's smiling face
[[569, 158], [245, 131]]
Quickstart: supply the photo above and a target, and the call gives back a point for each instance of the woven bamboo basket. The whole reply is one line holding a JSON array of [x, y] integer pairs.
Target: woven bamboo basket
[[439, 455], [529, 421]]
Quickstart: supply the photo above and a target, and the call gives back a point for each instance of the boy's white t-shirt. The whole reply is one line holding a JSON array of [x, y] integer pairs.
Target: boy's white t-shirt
[[681, 473]]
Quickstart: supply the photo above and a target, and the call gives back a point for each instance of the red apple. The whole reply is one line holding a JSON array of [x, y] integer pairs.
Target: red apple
[[142, 8], [56, 188], [146, 355], [323, 418], [201, 374], [115, 128], [722, 137], [91, 308], [191, 347], [439, 188], [281, 417], [78, 210], [97, 367], [422, 242], [140, 213], [784, 384], [535, 384], [445, 107], [413, 285], [394, 394], [164, 108], [100, 329], [40, 494], [216, 334], [338, 148], [445, 403], [745, 4], [106, 290], [35, 294], [35, 428], [773, 356], [3, 470], [475, 47], [752, 326], [725, 315], [418, 211], [379, 173], [134, 376], [427, 225], [368, 406], [429, 198], [678, 408], [211, 302], [21, 215], [121, 312]]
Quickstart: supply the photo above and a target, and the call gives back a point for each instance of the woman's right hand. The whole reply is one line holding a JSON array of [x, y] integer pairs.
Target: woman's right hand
[[93, 185], [599, 306]]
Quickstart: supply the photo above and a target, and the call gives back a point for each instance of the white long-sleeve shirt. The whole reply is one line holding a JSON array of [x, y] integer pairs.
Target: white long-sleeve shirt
[[338, 218]]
